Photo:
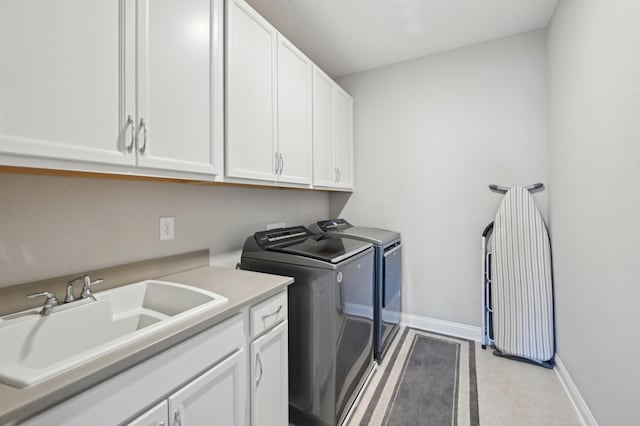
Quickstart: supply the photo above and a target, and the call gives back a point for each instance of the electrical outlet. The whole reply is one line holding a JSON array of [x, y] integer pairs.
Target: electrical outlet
[[276, 225], [167, 230]]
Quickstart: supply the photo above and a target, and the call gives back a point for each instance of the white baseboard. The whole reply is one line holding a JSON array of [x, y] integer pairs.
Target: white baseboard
[[584, 414], [449, 328]]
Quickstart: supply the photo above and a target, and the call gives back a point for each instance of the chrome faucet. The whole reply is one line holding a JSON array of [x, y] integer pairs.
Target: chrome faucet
[[86, 288], [49, 304]]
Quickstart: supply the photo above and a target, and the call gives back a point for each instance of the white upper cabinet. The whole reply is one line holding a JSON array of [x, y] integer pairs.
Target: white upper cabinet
[[138, 87], [332, 134], [251, 103], [269, 102], [62, 80], [179, 84], [343, 138], [294, 113], [324, 171], [114, 82]]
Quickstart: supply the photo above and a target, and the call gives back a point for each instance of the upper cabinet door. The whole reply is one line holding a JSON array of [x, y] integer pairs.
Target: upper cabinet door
[[344, 138], [180, 97], [251, 83], [324, 171], [294, 113], [62, 80]]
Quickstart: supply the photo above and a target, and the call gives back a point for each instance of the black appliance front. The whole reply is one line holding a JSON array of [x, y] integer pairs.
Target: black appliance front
[[330, 335], [389, 297]]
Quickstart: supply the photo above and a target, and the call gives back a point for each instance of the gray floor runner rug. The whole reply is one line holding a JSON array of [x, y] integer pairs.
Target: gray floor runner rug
[[425, 379]]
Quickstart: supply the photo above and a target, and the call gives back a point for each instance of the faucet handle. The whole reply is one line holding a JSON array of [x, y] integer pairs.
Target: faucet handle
[[88, 284], [69, 297], [48, 294], [50, 303]]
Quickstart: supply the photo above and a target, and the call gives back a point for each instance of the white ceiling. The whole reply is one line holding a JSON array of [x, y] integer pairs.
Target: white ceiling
[[349, 36]]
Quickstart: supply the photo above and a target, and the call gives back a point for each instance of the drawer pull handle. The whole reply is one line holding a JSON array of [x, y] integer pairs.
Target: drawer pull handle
[[276, 312]]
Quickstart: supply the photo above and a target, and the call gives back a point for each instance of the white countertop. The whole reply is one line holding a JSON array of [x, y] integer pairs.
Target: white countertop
[[242, 288]]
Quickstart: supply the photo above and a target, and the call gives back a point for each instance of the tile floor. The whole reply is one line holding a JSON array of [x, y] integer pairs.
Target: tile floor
[[516, 393], [512, 393]]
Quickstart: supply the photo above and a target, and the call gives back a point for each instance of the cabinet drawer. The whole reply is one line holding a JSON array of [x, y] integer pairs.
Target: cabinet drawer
[[268, 314]]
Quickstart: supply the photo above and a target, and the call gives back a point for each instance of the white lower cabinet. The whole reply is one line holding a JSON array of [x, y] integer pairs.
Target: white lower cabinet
[[200, 382], [207, 372], [215, 397], [270, 378]]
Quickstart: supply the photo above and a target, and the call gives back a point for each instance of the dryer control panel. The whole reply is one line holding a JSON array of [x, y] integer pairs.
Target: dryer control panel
[[333, 225], [281, 237]]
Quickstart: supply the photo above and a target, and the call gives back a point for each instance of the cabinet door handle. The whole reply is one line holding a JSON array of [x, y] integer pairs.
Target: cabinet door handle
[[258, 364], [131, 123], [276, 312], [162, 423], [281, 163], [177, 418], [335, 171], [145, 135], [339, 174], [276, 163]]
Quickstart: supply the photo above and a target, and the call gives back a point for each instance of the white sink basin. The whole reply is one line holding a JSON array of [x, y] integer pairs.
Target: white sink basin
[[35, 347]]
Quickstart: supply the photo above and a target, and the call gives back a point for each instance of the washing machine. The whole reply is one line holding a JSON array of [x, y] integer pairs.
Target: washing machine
[[387, 284], [330, 317]]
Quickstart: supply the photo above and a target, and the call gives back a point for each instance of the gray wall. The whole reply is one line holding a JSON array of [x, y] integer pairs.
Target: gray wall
[[430, 136], [51, 226], [594, 78]]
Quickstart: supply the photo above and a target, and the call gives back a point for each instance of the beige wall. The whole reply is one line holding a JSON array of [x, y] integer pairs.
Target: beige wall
[[430, 136], [51, 226], [594, 76]]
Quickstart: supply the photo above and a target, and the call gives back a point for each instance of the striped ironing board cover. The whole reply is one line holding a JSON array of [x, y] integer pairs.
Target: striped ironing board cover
[[522, 293]]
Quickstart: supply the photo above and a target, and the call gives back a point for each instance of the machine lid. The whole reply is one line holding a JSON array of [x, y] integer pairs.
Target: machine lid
[[332, 250], [342, 228]]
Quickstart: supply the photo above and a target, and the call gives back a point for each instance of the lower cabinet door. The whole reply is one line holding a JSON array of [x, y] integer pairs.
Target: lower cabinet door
[[216, 397], [156, 416], [270, 378]]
